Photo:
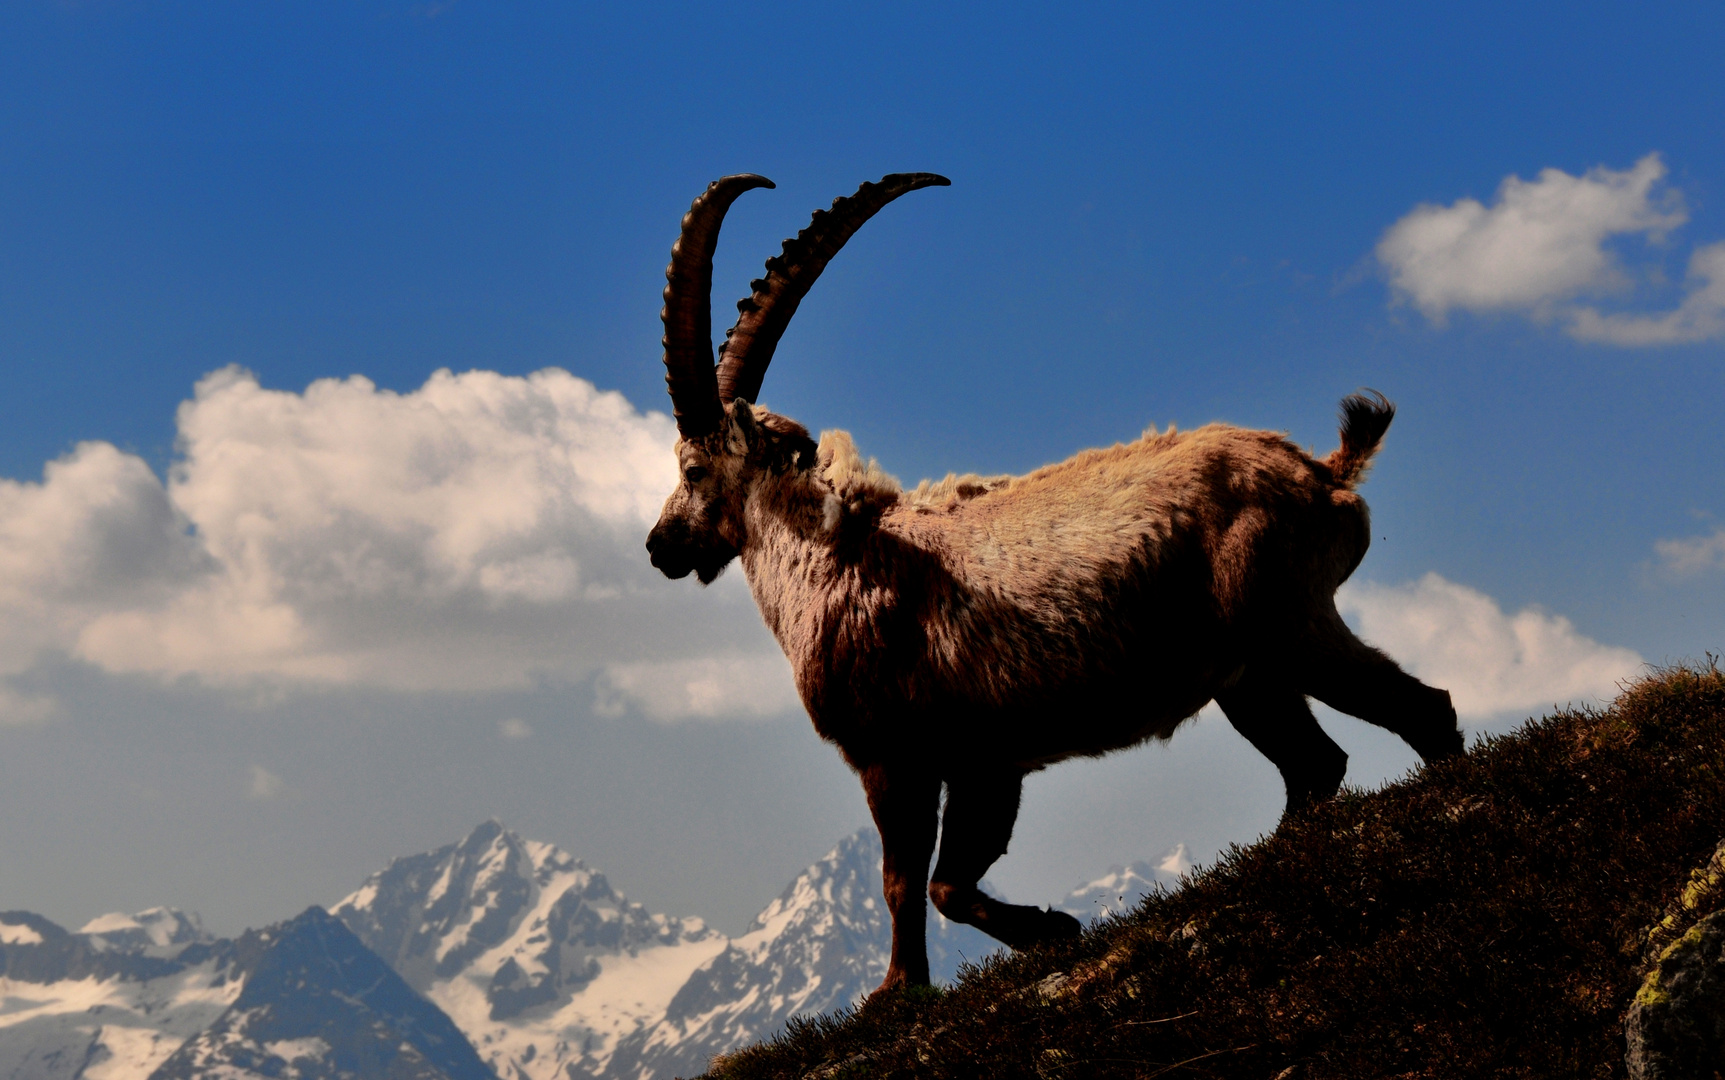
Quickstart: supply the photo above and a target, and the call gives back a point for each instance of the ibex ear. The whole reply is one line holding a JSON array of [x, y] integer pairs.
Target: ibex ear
[[742, 431]]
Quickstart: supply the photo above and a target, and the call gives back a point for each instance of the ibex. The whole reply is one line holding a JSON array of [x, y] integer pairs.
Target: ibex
[[977, 629]]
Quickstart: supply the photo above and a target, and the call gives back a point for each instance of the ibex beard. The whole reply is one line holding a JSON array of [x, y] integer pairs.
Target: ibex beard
[[972, 631]]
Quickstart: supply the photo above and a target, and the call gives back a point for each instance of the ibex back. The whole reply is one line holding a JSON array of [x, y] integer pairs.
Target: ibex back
[[969, 632]]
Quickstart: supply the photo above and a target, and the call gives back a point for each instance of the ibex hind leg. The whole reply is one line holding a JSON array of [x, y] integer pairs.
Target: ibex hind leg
[[975, 827], [1350, 676], [1274, 718]]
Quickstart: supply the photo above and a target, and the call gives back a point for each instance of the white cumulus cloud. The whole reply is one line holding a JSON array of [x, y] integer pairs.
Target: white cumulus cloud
[[1700, 317], [99, 531], [1686, 556], [755, 686], [1493, 664], [1541, 246], [481, 532], [485, 532]]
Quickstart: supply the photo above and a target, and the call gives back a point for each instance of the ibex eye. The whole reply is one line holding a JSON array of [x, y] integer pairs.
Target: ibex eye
[[694, 474]]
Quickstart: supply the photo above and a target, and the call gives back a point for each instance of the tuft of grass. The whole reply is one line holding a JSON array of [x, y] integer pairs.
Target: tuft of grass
[[1492, 916]]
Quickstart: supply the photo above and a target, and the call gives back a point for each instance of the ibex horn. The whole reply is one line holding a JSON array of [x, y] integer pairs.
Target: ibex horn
[[749, 345], [688, 313]]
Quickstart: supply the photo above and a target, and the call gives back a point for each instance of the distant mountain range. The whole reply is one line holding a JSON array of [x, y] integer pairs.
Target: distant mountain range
[[492, 956], [152, 996]]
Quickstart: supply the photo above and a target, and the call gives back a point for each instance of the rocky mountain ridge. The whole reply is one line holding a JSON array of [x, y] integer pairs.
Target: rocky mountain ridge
[[316, 1004], [554, 974], [153, 996], [491, 956]]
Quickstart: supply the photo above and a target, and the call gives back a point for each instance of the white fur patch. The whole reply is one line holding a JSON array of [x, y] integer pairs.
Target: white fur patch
[[845, 471], [859, 485], [956, 488]]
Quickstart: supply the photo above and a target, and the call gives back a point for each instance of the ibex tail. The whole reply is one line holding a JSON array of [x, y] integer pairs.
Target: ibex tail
[[1365, 417]]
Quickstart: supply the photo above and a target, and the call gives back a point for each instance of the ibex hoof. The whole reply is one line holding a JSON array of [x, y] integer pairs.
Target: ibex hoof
[[1058, 924]]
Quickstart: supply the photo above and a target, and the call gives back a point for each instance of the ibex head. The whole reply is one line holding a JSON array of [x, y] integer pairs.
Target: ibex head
[[727, 443]]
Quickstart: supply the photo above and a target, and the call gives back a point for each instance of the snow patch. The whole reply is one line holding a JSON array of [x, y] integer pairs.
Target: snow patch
[[158, 926], [291, 1050], [123, 1028]]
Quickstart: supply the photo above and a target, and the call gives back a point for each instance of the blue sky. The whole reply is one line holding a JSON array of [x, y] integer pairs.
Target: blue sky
[[244, 658]]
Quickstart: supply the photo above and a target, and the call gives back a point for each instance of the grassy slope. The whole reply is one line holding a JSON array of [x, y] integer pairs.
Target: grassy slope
[[1488, 917]]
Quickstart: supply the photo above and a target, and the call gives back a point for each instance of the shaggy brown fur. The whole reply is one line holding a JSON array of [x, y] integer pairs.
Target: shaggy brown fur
[[977, 629]]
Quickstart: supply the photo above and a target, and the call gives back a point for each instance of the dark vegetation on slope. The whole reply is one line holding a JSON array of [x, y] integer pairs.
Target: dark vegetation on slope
[[1491, 916]]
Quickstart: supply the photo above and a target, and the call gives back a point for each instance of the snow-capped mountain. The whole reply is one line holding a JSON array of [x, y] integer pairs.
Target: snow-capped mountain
[[152, 997], [531, 964], [552, 973], [317, 1005], [533, 954], [820, 946], [158, 926], [824, 944], [1122, 887], [106, 1006]]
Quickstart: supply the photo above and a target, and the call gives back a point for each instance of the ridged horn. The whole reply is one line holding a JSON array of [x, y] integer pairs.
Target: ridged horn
[[688, 311], [763, 316]]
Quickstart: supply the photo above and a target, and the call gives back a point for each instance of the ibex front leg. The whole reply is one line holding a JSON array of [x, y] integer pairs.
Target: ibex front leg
[[905, 802], [981, 808]]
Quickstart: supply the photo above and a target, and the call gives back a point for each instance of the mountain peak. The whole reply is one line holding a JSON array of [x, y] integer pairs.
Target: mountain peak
[[546, 970], [158, 926], [28, 928], [501, 932], [318, 1005]]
